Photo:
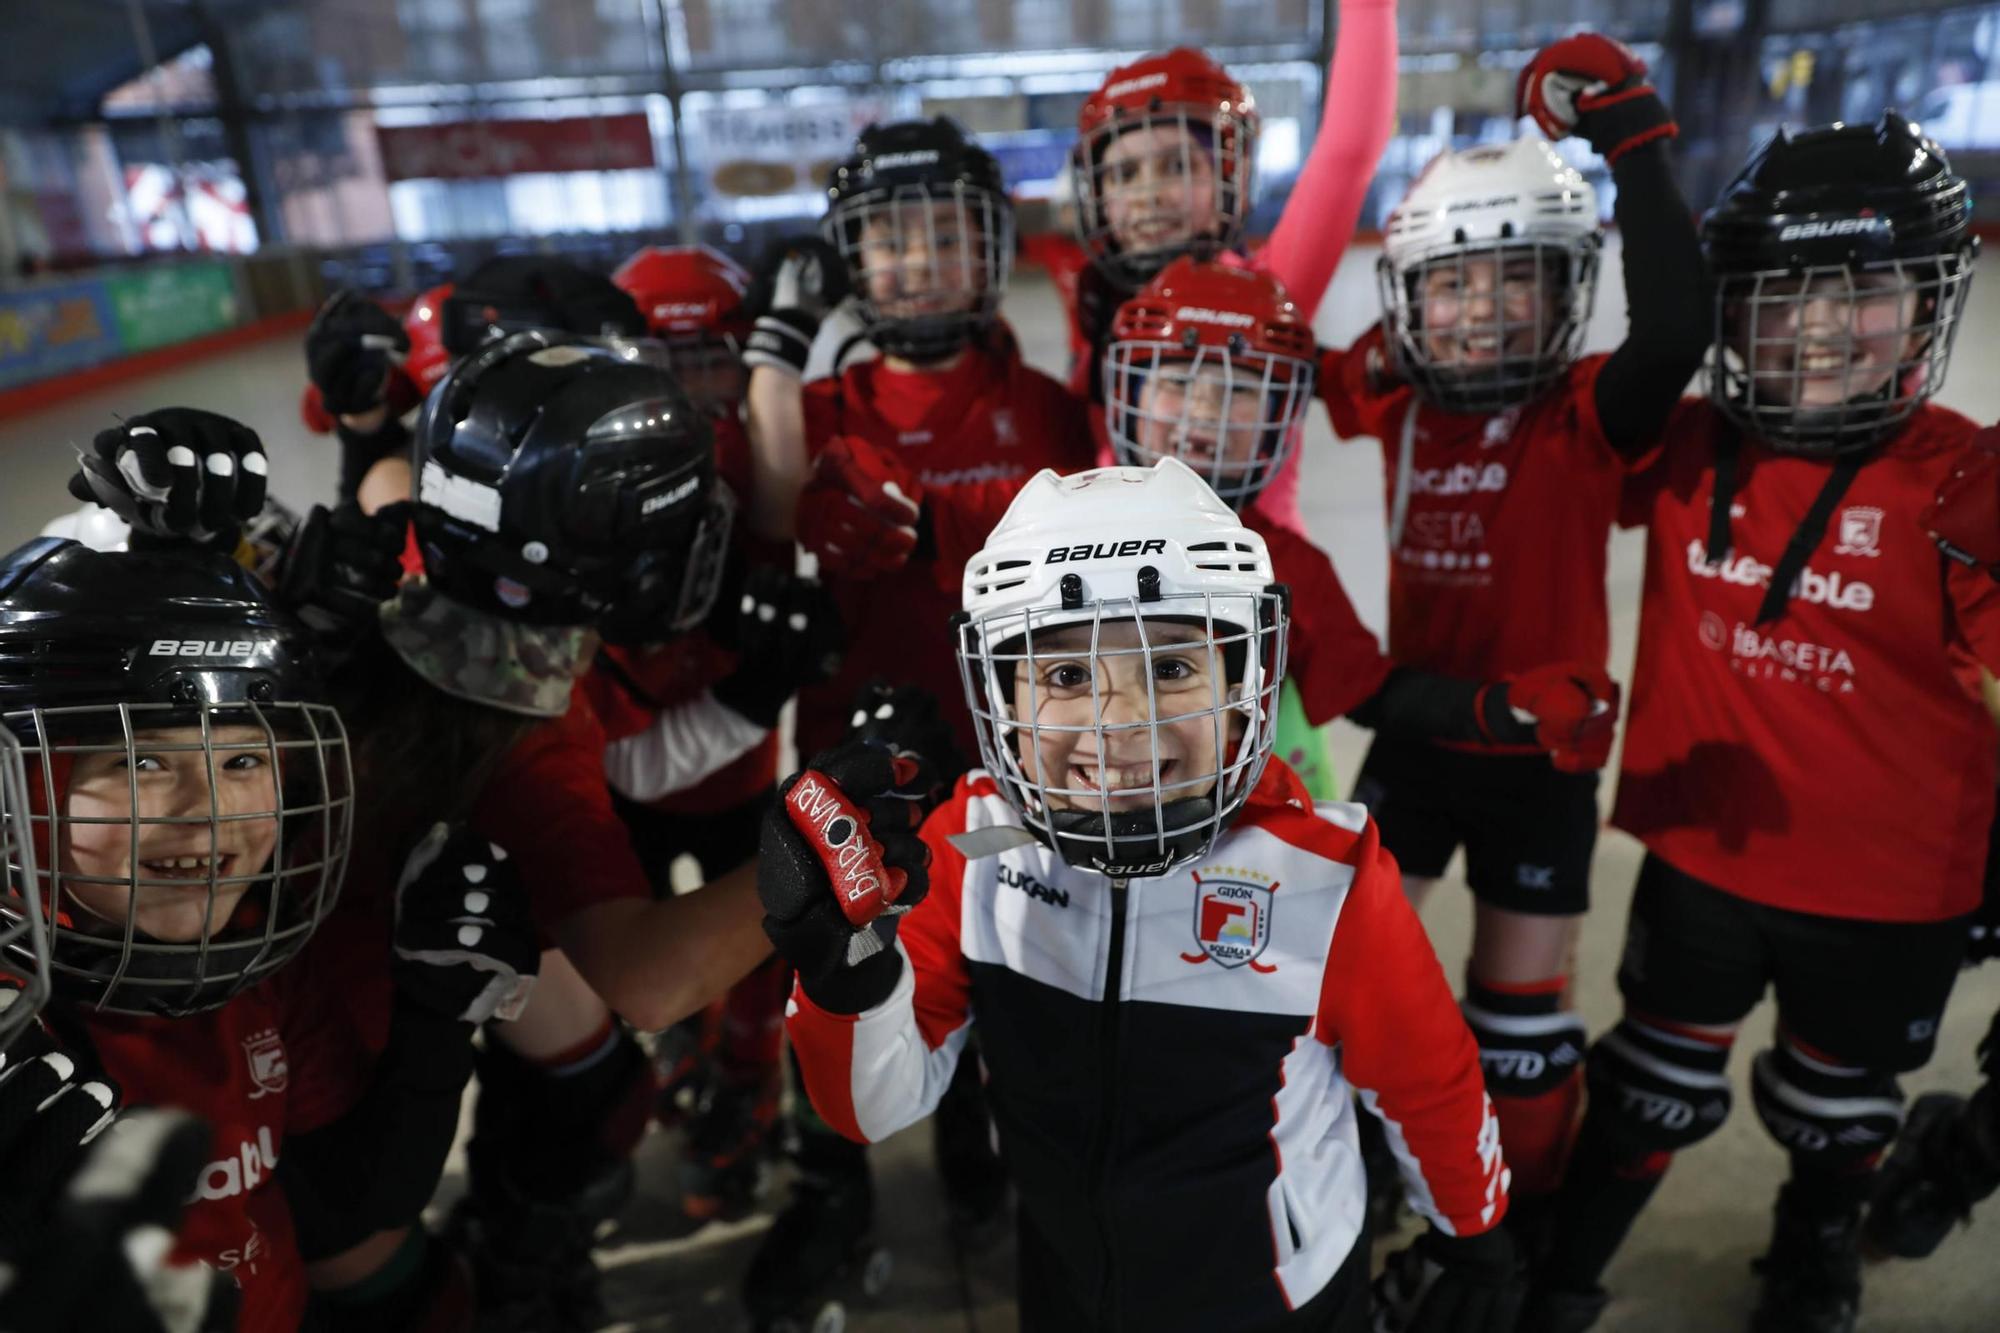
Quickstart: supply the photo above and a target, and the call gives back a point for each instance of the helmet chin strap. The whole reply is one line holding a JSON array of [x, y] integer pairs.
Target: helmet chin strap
[[1131, 844]]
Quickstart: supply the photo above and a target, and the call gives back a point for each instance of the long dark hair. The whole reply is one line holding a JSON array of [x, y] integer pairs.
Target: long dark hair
[[420, 755]]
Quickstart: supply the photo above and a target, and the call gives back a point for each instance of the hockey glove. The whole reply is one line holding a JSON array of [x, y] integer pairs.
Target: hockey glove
[[1451, 1284], [787, 633], [1964, 520], [798, 282], [465, 941], [839, 863], [342, 565], [860, 510], [1946, 1159], [1572, 708], [177, 475], [88, 1217], [350, 348], [1593, 86], [908, 718]]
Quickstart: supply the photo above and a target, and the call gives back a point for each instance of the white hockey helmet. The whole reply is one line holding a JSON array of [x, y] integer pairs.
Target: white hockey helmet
[[1113, 546], [1532, 217], [93, 525]]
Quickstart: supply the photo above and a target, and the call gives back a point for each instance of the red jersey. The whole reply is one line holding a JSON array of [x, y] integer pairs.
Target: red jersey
[[271, 1061], [1333, 658], [1836, 760], [974, 435], [1501, 561], [548, 806], [671, 674]]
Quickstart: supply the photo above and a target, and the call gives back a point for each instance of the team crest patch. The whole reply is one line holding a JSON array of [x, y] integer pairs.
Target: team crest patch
[[1860, 531], [1232, 919], [269, 1069]]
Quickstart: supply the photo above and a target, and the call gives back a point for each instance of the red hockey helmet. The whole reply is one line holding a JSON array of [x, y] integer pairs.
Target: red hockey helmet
[[692, 298], [1202, 123], [1213, 365]]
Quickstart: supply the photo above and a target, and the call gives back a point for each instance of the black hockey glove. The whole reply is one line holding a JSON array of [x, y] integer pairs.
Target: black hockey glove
[[787, 633], [350, 347], [342, 565], [908, 718], [87, 1216], [1451, 1284], [839, 863], [799, 281], [466, 946], [177, 475]]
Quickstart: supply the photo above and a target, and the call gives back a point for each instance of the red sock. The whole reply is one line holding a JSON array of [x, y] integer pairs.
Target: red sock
[[1538, 1133]]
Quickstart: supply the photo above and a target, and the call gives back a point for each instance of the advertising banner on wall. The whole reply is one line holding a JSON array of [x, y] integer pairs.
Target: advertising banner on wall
[[753, 151], [51, 330], [475, 149], [157, 307]]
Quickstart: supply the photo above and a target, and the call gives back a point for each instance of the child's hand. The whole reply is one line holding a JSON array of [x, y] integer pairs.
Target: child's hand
[[1451, 1284], [840, 861], [859, 512], [908, 718], [787, 634], [1593, 86], [176, 475], [465, 943], [349, 351], [799, 281], [91, 1206], [1573, 708]]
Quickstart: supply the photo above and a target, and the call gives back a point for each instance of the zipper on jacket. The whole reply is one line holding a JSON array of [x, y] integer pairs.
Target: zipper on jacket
[[1107, 1103]]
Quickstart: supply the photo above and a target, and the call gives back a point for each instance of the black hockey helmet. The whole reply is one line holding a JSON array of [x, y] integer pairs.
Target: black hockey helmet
[[1833, 203], [220, 795], [559, 483], [905, 261], [516, 292]]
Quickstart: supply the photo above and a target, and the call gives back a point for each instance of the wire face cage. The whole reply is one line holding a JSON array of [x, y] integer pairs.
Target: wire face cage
[[929, 262], [24, 934], [1833, 358], [1128, 732], [1484, 326], [1167, 181], [709, 366], [178, 853], [1230, 413]]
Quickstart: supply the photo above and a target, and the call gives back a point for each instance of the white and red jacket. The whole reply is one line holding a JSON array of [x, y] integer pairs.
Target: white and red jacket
[[1168, 1060]]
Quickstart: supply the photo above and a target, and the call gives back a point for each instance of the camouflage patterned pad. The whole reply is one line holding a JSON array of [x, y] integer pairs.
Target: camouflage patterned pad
[[523, 669]]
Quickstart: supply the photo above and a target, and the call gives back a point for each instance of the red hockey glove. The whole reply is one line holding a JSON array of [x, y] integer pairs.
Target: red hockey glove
[[859, 511], [1965, 518], [1573, 707], [1593, 86]]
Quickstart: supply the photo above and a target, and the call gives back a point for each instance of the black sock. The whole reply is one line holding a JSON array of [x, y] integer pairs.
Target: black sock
[[1824, 1189], [1606, 1187]]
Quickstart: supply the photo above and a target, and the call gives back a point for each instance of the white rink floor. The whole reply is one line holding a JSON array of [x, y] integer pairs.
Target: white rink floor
[[1686, 1266]]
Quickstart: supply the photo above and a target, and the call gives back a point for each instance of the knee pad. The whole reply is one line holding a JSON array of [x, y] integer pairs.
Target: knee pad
[[1528, 1045], [1834, 1114], [1659, 1090]]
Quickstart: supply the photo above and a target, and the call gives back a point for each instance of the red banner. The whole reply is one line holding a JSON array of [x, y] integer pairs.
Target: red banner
[[467, 150]]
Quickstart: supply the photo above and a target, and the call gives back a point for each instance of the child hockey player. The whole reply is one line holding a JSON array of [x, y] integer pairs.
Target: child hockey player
[[1162, 943], [1803, 686], [1504, 451]]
